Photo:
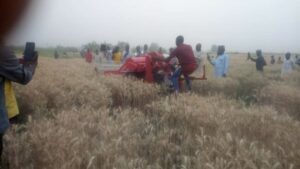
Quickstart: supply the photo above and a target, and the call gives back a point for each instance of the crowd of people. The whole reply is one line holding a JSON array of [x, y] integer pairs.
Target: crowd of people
[[184, 60], [111, 55], [287, 65]]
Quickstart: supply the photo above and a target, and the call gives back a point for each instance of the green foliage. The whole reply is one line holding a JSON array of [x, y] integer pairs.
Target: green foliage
[[154, 47], [92, 46], [122, 45]]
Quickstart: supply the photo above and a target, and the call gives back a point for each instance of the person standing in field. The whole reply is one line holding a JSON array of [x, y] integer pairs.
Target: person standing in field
[[199, 58], [99, 58], [272, 60], [187, 62], [260, 60], [56, 55], [287, 66], [126, 53], [297, 60], [220, 63], [117, 55], [89, 56], [138, 51], [11, 70], [279, 61], [145, 49], [108, 54]]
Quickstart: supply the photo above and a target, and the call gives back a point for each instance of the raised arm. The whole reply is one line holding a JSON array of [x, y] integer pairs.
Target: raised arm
[[250, 57], [11, 69]]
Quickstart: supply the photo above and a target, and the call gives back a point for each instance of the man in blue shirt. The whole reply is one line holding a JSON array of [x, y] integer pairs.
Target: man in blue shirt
[[220, 63]]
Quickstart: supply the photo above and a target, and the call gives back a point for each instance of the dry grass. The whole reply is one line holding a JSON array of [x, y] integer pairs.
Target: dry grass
[[80, 120]]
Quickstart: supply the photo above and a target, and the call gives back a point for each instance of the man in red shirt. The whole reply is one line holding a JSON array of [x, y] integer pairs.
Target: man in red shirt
[[187, 62]]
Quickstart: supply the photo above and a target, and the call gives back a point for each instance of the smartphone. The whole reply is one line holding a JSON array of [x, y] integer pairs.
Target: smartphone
[[29, 51]]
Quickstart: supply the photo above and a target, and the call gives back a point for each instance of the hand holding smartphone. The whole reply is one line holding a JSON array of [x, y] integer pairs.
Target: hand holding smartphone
[[30, 55]]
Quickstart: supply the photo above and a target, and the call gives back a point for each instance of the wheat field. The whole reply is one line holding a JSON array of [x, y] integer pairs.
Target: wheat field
[[73, 118]]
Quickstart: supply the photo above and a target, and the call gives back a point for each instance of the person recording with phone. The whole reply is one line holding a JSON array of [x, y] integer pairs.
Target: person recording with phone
[[13, 69], [16, 70]]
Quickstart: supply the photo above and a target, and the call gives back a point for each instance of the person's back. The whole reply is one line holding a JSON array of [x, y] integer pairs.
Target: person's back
[[187, 62], [185, 54]]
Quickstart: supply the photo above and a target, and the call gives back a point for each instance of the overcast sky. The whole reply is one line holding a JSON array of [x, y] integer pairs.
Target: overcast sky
[[240, 25]]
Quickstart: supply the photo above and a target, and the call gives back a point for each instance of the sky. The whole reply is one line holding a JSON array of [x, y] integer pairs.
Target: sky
[[240, 25]]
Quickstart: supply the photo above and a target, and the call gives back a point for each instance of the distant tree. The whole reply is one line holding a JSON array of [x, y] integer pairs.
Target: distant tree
[[164, 50], [214, 48], [92, 45], [122, 45], [71, 49], [154, 47]]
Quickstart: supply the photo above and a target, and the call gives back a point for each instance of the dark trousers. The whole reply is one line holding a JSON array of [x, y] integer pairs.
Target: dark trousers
[[175, 80]]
